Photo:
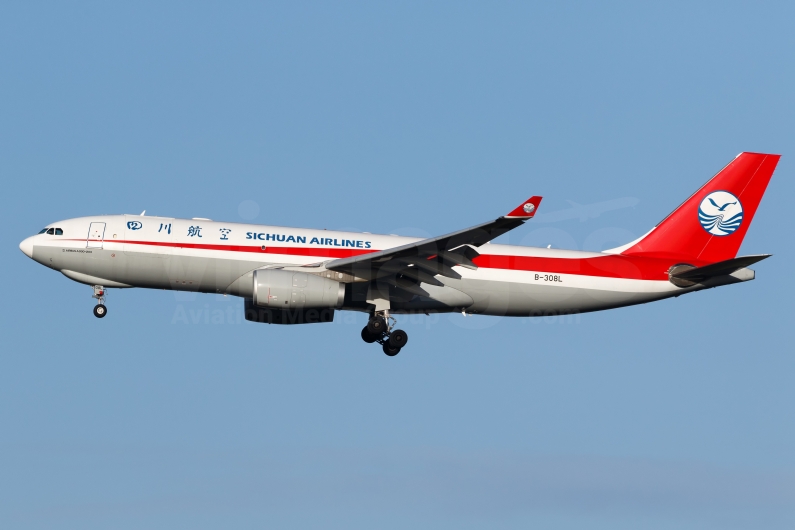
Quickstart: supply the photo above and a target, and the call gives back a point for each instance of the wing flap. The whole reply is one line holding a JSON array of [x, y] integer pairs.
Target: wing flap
[[420, 276]]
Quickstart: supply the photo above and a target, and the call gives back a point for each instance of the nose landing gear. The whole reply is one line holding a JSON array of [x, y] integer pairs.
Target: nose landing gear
[[380, 329], [100, 310]]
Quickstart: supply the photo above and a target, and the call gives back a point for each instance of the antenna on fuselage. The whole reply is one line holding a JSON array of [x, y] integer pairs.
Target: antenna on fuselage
[[142, 213]]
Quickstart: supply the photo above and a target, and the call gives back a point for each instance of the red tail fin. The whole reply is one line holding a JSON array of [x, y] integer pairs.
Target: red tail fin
[[711, 224]]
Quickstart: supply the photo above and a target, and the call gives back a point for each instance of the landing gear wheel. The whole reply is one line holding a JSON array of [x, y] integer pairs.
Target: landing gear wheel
[[390, 350], [100, 311], [376, 326], [367, 336], [398, 339]]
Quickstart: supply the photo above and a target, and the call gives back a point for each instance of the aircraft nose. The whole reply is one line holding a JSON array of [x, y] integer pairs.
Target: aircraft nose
[[27, 247]]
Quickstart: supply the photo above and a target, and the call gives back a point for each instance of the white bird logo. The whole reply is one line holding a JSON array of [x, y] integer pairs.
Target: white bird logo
[[720, 213]]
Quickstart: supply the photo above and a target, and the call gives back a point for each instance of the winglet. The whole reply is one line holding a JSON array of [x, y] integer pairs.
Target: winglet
[[527, 209]]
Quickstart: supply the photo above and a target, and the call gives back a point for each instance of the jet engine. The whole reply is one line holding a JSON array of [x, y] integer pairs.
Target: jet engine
[[287, 297]]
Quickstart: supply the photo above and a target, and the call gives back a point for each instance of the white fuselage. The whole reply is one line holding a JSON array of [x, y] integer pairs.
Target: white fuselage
[[216, 257]]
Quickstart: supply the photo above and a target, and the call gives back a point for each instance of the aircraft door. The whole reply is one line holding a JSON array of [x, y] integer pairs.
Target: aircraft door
[[96, 235]]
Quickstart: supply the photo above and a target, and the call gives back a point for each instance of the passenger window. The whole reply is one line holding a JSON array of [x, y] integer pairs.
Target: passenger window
[[43, 230], [51, 231], [58, 232]]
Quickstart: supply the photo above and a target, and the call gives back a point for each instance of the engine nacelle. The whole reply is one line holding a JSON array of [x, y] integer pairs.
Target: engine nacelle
[[287, 297], [280, 289]]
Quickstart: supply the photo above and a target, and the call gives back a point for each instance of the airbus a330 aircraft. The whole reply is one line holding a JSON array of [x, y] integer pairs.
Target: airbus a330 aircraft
[[301, 276]]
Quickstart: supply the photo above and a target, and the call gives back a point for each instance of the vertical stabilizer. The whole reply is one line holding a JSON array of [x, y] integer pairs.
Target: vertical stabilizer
[[711, 224]]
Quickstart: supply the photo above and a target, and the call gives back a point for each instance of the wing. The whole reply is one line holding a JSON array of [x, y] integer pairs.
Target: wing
[[408, 265]]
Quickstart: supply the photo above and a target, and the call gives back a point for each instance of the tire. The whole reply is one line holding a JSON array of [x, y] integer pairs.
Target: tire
[[376, 326], [100, 311], [390, 350], [367, 336], [398, 338]]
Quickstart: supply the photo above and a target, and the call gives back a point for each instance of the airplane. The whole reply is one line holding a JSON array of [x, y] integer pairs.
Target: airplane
[[302, 276]]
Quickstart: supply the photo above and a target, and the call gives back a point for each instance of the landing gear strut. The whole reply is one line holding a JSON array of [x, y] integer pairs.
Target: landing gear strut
[[380, 329], [100, 310]]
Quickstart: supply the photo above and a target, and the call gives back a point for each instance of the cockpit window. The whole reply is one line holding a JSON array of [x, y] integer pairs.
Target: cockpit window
[[43, 230], [58, 232], [51, 231]]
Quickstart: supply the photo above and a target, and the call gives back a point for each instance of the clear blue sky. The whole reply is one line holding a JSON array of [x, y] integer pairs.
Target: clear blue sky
[[408, 118]]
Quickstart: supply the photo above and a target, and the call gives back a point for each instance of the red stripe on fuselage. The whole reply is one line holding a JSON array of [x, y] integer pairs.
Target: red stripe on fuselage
[[608, 266]]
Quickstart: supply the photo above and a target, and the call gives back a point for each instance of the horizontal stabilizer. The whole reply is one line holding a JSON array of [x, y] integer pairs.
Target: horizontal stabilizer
[[721, 268]]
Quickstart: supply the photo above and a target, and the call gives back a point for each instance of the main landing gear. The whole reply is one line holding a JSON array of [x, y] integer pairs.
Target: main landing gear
[[379, 329], [100, 310]]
